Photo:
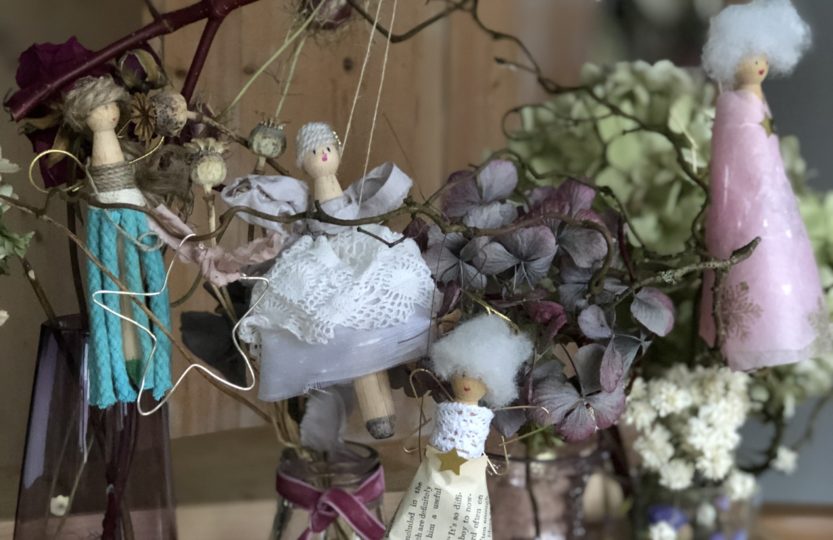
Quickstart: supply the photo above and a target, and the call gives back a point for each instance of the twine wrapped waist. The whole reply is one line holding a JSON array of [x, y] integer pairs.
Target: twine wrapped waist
[[113, 177]]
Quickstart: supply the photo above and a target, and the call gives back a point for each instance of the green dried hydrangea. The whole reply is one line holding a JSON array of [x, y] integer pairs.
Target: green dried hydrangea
[[11, 243], [575, 135]]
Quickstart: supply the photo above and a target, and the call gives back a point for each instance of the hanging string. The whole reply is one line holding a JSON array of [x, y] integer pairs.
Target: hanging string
[[290, 75], [268, 62], [361, 75], [96, 298], [378, 100]]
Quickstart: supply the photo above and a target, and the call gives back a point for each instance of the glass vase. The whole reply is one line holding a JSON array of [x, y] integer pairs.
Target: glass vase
[[572, 492], [346, 473], [87, 472], [699, 513]]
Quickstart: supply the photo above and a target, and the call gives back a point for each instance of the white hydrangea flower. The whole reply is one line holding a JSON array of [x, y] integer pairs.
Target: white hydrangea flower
[[760, 393], [715, 464], [785, 460], [662, 531], [59, 505], [654, 447], [668, 398], [740, 485], [639, 390], [699, 433], [789, 405], [676, 475], [640, 415], [706, 515]]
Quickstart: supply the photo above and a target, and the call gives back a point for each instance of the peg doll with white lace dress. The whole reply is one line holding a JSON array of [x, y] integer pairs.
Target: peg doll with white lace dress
[[343, 304], [481, 358]]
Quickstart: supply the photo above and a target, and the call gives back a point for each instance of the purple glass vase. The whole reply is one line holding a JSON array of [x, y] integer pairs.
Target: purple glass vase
[[88, 472]]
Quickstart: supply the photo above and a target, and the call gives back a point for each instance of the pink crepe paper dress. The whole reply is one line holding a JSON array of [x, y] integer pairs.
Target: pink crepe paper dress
[[772, 304]]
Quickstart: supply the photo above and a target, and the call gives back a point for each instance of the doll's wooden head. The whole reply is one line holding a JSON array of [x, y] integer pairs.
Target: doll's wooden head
[[318, 150], [749, 41], [481, 358], [94, 104]]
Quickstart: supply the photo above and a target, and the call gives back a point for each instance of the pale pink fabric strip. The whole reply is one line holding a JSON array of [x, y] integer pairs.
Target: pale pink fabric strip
[[217, 265]]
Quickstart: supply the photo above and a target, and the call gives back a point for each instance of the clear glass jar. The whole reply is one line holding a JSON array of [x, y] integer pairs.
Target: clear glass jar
[[87, 472], [570, 493], [345, 473], [699, 513]]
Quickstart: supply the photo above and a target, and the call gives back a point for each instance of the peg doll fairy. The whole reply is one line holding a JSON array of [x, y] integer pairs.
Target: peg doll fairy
[[343, 304], [120, 239], [771, 305], [481, 358]]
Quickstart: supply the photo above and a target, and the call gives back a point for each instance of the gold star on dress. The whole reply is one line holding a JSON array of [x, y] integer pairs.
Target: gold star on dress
[[768, 125], [451, 461]]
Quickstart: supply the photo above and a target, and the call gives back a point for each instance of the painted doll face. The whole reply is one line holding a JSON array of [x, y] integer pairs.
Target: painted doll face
[[467, 389], [752, 70], [104, 117], [322, 160]]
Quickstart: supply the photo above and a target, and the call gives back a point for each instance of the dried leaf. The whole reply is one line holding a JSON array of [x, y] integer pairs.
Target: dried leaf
[[612, 369], [585, 246], [593, 323], [497, 180], [588, 364], [491, 216], [654, 310], [535, 248], [508, 422]]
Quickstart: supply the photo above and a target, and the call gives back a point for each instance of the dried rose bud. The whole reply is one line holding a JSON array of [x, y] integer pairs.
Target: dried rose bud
[[141, 70]]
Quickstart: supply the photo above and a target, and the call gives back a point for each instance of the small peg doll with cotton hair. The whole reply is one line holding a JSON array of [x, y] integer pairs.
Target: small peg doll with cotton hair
[[481, 359], [771, 306]]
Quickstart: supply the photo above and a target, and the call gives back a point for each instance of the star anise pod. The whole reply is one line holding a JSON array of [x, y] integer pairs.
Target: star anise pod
[[143, 116]]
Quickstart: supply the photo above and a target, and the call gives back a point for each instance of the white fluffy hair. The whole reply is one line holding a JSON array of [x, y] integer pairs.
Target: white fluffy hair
[[484, 348], [769, 27], [313, 135]]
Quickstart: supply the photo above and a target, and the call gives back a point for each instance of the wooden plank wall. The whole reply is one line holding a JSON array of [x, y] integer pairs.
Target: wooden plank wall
[[441, 107]]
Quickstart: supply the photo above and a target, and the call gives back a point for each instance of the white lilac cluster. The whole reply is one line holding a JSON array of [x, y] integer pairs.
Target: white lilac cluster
[[687, 424]]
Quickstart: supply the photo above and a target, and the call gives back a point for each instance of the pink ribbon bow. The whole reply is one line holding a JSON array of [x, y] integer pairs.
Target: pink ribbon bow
[[326, 506]]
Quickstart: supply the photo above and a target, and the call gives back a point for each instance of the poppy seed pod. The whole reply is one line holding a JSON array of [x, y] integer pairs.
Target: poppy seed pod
[[171, 112], [268, 139], [208, 168]]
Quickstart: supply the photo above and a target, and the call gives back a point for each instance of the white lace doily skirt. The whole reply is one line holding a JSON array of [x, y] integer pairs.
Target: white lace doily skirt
[[337, 308]]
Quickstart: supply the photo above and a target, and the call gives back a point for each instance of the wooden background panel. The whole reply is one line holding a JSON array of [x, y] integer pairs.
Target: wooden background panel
[[440, 109]]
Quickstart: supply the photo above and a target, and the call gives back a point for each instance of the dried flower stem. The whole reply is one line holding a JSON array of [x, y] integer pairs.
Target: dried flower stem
[[673, 277], [33, 280]]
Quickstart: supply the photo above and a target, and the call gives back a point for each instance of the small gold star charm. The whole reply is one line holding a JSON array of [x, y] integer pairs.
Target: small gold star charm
[[451, 461], [768, 125]]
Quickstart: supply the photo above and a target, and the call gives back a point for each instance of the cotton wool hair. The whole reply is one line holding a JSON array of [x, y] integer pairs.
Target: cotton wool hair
[[484, 348], [769, 27], [311, 136]]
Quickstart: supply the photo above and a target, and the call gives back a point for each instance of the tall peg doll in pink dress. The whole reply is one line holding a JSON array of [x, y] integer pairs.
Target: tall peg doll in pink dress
[[772, 310]]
